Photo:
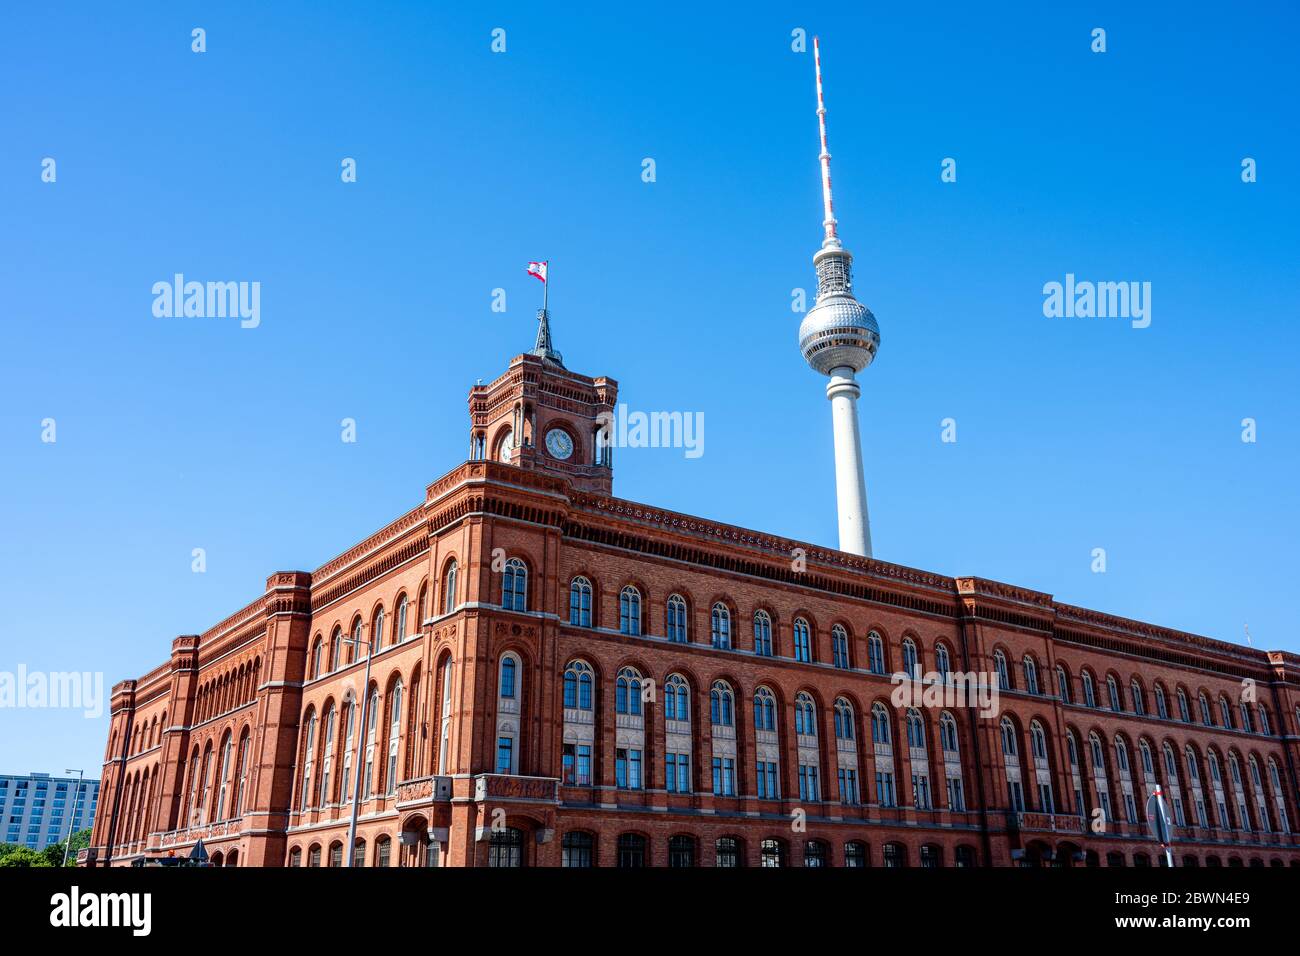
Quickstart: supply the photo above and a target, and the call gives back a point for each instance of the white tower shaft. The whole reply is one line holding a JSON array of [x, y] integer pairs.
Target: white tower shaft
[[850, 482]]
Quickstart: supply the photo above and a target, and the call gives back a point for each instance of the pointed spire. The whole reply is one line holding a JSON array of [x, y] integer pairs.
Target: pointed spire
[[543, 348], [832, 240]]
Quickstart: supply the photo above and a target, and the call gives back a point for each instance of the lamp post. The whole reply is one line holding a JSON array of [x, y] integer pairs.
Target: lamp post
[[361, 731], [72, 820]]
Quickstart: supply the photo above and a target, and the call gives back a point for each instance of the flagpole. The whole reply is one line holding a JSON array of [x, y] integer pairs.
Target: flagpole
[[546, 285]]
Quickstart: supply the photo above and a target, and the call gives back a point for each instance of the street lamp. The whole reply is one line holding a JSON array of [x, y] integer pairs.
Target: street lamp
[[72, 820], [361, 732]]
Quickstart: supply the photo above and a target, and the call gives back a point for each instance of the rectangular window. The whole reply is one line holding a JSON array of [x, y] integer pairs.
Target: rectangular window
[[584, 765], [505, 755], [766, 779], [620, 768], [634, 770], [568, 765], [921, 791], [848, 780], [956, 795], [885, 788]]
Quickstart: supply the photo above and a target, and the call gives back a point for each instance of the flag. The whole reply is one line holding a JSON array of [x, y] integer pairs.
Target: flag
[[537, 269]]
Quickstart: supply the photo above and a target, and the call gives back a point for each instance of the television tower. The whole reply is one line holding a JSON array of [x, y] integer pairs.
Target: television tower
[[839, 338]]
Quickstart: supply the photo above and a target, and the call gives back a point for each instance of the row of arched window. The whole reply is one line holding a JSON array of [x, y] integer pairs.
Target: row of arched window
[[1242, 716], [218, 780], [722, 635], [1119, 781], [223, 694], [687, 766]]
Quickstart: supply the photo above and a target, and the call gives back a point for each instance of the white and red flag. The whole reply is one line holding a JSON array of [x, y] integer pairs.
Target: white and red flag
[[537, 269]]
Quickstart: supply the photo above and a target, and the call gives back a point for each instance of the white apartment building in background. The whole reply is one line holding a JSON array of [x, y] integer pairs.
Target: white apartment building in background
[[37, 809]]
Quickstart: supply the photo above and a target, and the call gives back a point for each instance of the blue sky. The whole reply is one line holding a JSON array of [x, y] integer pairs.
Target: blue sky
[[1073, 434]]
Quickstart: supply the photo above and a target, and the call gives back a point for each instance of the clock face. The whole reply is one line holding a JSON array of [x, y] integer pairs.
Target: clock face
[[506, 447], [558, 443]]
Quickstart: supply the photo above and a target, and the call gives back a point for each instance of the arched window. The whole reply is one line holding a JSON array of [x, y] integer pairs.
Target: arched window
[[721, 705], [855, 854], [772, 853], [308, 761], [394, 735], [721, 626], [627, 696], [762, 634], [911, 665], [1112, 689], [915, 729], [1148, 765], [1121, 755], [349, 735], [578, 682], [354, 646], [1184, 712], [1225, 712], [508, 668], [1139, 699], [1246, 723], [948, 733], [1162, 706], [677, 698], [372, 738], [327, 760], [580, 602], [943, 662], [317, 658], [1000, 665], [514, 585], [805, 719], [843, 719], [879, 724], [802, 641], [840, 647], [629, 611], [444, 720], [1009, 747], [764, 710], [241, 775], [577, 849], [1063, 684], [400, 634], [875, 653], [1206, 718], [336, 649], [1089, 691], [1038, 740], [814, 854], [227, 751], [726, 852], [676, 617], [1031, 675], [377, 630], [631, 850], [1265, 726], [449, 596]]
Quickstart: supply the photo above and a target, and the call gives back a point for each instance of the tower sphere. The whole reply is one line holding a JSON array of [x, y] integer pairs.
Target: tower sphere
[[838, 331]]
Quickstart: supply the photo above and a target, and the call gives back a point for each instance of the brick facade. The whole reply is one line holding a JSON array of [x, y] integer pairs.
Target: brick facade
[[213, 744]]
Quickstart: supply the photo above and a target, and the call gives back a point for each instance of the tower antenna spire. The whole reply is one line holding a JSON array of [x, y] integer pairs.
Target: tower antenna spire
[[828, 207]]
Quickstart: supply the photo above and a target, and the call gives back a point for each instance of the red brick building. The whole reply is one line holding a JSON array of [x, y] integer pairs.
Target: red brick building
[[562, 677]]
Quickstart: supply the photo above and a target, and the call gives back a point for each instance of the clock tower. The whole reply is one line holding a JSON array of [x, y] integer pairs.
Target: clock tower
[[542, 417]]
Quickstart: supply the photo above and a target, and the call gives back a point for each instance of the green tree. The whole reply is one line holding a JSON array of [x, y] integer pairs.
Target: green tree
[[54, 852], [23, 857]]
